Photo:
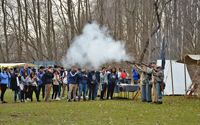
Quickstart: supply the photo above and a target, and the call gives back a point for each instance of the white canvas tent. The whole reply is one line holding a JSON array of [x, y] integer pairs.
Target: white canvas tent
[[178, 77]]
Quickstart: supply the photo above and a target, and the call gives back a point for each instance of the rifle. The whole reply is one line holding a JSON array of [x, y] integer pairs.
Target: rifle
[[133, 63], [161, 86]]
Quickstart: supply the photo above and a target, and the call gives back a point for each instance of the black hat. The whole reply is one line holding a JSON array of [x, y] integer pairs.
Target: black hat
[[62, 67], [153, 62]]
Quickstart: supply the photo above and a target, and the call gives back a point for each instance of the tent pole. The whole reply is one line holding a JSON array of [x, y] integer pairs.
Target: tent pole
[[172, 78], [185, 76]]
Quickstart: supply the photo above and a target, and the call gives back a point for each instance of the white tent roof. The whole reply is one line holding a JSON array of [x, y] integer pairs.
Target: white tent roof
[[10, 64], [178, 77]]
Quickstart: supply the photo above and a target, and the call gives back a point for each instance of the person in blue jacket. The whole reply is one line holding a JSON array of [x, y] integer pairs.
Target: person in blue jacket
[[82, 76], [41, 85], [72, 83], [112, 81], [135, 76], [5, 75], [25, 69]]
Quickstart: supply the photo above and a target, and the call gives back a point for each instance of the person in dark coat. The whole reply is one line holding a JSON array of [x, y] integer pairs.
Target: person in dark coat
[[98, 79], [49, 80], [14, 85], [92, 76], [112, 81]]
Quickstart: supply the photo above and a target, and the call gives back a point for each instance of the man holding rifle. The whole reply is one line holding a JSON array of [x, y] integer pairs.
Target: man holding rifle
[[152, 83], [143, 75], [159, 76]]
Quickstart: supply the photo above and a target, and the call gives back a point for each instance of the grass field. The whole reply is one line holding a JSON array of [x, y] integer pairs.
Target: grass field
[[118, 111]]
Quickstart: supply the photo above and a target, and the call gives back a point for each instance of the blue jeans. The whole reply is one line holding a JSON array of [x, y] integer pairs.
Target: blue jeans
[[82, 88], [59, 91], [9, 83], [159, 90], [87, 90], [19, 94], [96, 90], [144, 93]]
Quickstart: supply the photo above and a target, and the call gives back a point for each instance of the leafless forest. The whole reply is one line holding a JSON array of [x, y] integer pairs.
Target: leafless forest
[[39, 30]]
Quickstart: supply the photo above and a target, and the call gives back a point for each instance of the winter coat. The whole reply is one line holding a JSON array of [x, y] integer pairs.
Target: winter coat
[[25, 81], [4, 78], [92, 76], [135, 74], [28, 71], [33, 82], [82, 78], [49, 76], [72, 77], [103, 78], [13, 82], [159, 76], [39, 75], [143, 73], [110, 75], [98, 76], [150, 72], [56, 80]]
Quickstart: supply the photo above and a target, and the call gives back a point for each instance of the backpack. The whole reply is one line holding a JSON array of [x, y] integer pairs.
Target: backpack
[[43, 79], [123, 75], [138, 76]]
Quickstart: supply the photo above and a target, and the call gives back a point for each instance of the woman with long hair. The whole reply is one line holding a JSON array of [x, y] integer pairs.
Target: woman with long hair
[[55, 83], [14, 85], [33, 86], [25, 81], [112, 81]]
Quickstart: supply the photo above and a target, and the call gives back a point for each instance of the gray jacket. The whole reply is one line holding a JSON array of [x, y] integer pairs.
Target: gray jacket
[[103, 78], [159, 76], [25, 81], [143, 75]]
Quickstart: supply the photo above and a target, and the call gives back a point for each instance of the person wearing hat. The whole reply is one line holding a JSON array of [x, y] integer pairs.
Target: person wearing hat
[[150, 83], [159, 77], [143, 71]]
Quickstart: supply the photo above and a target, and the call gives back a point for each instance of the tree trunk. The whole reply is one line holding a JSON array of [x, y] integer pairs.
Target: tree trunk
[[19, 44], [26, 31], [40, 34], [49, 49], [5, 29], [71, 20], [150, 29], [36, 26], [54, 39]]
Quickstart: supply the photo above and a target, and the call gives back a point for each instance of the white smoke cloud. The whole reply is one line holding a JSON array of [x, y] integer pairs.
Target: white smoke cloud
[[94, 47]]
